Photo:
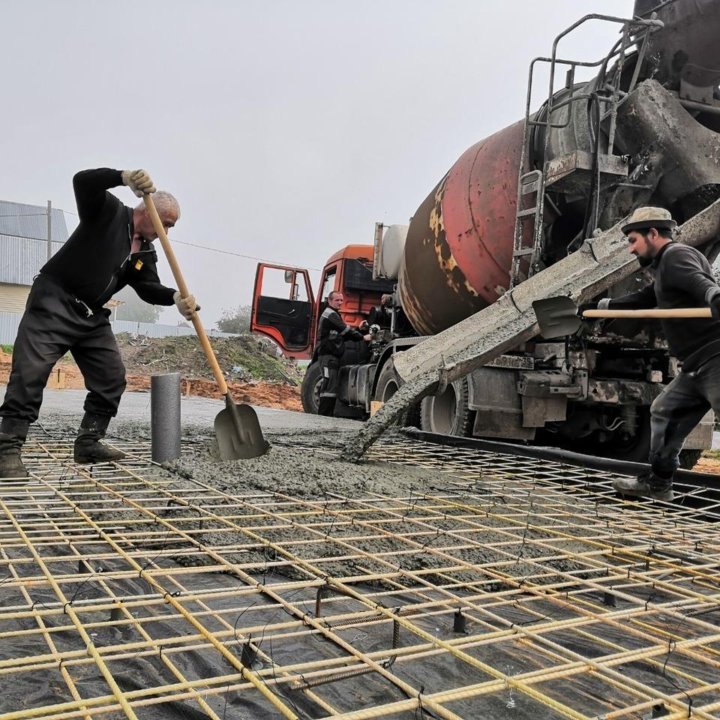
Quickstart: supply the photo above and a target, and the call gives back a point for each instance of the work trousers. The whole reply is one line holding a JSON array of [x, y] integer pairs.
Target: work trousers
[[54, 323], [330, 366], [678, 409]]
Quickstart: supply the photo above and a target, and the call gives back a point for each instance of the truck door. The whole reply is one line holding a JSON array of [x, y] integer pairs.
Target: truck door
[[282, 308]]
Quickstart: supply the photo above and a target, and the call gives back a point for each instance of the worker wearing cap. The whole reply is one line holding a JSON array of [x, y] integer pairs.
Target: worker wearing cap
[[110, 248], [682, 278]]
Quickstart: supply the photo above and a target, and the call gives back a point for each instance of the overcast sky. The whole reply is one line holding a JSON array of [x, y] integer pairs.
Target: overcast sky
[[286, 128]]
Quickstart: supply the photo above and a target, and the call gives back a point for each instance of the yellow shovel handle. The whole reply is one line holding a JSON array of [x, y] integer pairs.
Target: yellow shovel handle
[[650, 313]]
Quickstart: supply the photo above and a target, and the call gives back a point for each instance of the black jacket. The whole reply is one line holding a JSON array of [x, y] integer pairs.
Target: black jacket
[[95, 262], [333, 332], [683, 278]]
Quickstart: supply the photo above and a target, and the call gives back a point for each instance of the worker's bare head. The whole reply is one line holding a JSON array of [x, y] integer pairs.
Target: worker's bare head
[[335, 300], [648, 230], [168, 209]]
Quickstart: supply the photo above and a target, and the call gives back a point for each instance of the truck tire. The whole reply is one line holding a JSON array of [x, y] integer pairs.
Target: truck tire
[[638, 449], [310, 388], [635, 448], [388, 384], [688, 458], [447, 413]]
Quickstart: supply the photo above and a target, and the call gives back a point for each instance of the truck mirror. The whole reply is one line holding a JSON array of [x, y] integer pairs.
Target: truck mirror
[[289, 277]]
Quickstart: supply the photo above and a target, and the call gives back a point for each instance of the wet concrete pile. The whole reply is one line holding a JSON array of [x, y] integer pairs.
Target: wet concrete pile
[[305, 464]]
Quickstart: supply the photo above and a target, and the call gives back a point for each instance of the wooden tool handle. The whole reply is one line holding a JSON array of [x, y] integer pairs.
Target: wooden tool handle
[[184, 292], [650, 313]]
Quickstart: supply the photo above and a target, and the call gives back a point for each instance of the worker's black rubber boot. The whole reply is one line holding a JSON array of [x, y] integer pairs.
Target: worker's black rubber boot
[[88, 448], [648, 484], [12, 437]]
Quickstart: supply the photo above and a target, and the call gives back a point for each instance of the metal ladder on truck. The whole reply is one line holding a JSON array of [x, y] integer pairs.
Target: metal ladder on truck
[[532, 183]]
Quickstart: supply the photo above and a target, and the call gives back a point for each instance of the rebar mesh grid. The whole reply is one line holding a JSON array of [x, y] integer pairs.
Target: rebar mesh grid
[[515, 589]]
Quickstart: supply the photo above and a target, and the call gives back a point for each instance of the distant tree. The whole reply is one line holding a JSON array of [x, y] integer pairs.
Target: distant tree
[[135, 309], [235, 321]]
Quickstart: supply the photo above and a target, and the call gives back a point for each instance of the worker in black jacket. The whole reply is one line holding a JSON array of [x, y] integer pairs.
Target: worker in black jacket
[[682, 278], [110, 248], [332, 335]]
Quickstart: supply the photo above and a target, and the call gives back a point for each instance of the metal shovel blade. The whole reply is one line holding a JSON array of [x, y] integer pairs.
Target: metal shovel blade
[[556, 316], [238, 432]]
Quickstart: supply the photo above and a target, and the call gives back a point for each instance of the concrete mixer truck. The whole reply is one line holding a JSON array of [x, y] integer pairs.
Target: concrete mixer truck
[[644, 131]]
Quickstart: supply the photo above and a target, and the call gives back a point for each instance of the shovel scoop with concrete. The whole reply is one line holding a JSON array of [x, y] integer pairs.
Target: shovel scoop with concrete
[[559, 316]]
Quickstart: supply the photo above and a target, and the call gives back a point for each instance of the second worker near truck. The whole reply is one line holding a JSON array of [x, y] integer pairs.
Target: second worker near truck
[[110, 248], [333, 332], [683, 278]]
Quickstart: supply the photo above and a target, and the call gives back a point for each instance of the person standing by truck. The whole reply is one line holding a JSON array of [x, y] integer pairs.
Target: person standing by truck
[[333, 332], [682, 278], [110, 248]]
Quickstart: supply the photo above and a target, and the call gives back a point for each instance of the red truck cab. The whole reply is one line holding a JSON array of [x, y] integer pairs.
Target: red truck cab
[[289, 315]]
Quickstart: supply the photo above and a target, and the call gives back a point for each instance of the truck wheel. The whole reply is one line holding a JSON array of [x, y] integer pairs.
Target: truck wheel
[[633, 448], [310, 388], [637, 448], [447, 413], [387, 385]]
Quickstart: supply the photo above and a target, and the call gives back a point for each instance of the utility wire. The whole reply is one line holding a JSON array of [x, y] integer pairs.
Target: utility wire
[[176, 242], [230, 252]]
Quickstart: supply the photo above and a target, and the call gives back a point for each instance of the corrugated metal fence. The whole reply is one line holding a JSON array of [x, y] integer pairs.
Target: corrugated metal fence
[[22, 258], [24, 240]]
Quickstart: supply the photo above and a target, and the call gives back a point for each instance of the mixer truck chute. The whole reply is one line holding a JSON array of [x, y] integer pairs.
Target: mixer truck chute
[[525, 202]]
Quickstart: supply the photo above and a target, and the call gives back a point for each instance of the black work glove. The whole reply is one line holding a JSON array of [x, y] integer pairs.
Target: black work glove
[[715, 307], [586, 306]]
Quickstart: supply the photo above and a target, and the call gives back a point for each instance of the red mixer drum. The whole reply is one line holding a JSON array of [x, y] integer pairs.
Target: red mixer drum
[[458, 252]]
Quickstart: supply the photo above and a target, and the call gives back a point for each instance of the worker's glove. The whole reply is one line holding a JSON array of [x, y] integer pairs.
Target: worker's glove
[[186, 305], [715, 307], [138, 181]]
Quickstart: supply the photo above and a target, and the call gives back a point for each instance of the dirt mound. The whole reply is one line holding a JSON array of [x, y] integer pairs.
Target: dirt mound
[[252, 369], [243, 358]]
